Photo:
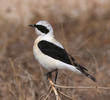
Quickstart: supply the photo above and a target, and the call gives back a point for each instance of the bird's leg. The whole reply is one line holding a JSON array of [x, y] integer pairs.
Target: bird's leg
[[56, 75], [49, 75]]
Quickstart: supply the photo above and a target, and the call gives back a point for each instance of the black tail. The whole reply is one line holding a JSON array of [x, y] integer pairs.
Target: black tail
[[82, 69], [89, 76]]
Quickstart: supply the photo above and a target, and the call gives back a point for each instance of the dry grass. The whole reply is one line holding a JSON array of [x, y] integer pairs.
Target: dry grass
[[83, 26]]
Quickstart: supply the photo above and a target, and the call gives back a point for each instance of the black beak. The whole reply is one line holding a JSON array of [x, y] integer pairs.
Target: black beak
[[32, 25]]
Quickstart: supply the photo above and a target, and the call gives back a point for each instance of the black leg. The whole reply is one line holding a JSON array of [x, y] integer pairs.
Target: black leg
[[49, 75], [56, 75]]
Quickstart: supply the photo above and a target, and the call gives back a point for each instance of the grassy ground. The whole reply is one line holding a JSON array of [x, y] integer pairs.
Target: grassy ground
[[82, 27]]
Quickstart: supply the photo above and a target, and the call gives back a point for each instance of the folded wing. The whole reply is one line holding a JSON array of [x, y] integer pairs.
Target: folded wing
[[60, 54]]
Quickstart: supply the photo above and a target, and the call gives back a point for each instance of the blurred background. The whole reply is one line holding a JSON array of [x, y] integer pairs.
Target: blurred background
[[82, 26]]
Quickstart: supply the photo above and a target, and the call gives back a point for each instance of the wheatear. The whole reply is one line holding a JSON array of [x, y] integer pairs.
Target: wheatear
[[51, 54]]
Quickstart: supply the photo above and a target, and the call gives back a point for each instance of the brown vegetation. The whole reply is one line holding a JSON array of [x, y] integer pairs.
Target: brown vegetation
[[83, 26]]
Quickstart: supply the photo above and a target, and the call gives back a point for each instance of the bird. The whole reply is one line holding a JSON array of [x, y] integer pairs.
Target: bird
[[51, 54]]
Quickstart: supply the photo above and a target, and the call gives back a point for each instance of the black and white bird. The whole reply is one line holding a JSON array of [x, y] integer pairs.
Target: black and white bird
[[51, 54]]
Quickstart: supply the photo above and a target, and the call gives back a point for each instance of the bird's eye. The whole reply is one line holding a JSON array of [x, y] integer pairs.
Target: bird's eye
[[42, 28]]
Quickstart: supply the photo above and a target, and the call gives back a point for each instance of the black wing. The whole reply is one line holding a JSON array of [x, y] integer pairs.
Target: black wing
[[54, 51], [58, 53]]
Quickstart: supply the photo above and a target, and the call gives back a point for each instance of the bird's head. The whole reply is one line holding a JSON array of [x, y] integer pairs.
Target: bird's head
[[42, 28]]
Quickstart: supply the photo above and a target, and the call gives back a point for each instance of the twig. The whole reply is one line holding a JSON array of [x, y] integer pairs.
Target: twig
[[54, 89], [46, 95], [64, 95], [54, 86], [82, 87]]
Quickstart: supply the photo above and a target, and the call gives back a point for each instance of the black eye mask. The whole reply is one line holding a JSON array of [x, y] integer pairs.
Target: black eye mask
[[41, 28]]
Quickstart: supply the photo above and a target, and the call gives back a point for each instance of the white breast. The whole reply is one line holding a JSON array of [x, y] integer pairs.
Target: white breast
[[46, 61]]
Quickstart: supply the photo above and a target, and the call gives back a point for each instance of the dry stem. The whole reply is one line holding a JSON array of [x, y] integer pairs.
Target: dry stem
[[54, 86], [82, 87], [54, 89]]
